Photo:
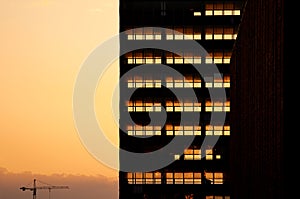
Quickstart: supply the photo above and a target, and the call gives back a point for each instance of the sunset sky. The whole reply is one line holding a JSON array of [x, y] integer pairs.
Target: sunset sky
[[43, 44]]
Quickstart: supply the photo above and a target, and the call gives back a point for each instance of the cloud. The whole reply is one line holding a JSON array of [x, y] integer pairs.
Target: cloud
[[80, 186]]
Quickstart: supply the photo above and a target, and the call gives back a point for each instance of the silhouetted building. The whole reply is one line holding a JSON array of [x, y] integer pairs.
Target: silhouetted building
[[257, 96], [200, 170]]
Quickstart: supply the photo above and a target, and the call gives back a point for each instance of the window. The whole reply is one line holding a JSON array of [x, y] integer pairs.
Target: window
[[222, 9], [144, 178], [183, 178], [172, 130], [218, 58], [143, 106], [186, 106], [197, 13], [183, 82], [217, 130], [146, 33], [184, 58], [139, 82], [217, 106], [136, 130], [215, 178], [143, 57], [217, 82], [192, 154], [184, 33]]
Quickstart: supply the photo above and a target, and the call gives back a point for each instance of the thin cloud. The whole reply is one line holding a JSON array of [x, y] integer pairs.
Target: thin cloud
[[80, 186]]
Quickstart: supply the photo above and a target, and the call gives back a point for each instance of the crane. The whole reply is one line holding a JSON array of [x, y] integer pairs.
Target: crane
[[34, 188]]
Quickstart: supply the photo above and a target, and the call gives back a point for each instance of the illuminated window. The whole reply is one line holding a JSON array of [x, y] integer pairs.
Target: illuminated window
[[172, 130], [183, 178], [217, 197], [174, 106], [215, 178], [137, 130], [146, 33], [197, 13], [217, 106], [139, 82], [217, 130], [183, 33], [143, 58], [217, 81], [144, 178], [222, 9], [220, 33], [192, 154], [142, 106]]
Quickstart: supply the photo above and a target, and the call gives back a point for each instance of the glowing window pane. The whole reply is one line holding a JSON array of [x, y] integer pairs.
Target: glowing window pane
[[169, 60], [188, 181], [218, 36], [226, 85], [228, 36], [169, 133], [218, 157], [178, 181], [188, 85], [178, 175], [178, 132], [169, 109], [139, 37], [169, 37], [178, 109], [228, 12], [197, 36], [178, 85], [236, 12], [208, 36], [176, 157], [234, 36], [197, 13], [208, 12], [218, 12], [188, 109], [188, 157], [157, 60], [208, 60], [130, 61], [130, 37], [157, 109], [178, 60], [197, 60], [149, 37], [188, 60], [139, 61], [188, 37], [218, 60], [157, 37], [226, 60], [178, 37]]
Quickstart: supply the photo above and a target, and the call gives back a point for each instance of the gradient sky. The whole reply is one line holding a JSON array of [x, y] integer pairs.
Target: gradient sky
[[42, 46]]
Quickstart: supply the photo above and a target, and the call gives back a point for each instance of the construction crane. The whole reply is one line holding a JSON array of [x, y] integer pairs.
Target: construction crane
[[34, 188]]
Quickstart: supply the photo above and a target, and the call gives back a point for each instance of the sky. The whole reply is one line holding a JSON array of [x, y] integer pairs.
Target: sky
[[43, 44]]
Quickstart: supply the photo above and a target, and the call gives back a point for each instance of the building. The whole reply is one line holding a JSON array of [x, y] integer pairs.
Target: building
[[260, 67], [199, 170]]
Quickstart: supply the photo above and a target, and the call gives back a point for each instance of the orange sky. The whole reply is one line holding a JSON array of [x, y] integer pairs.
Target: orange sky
[[42, 46]]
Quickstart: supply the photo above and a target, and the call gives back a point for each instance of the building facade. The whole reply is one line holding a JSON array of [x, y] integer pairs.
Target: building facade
[[260, 66], [199, 170]]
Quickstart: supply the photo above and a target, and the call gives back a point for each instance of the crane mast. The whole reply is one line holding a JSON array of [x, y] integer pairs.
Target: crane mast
[[35, 187]]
